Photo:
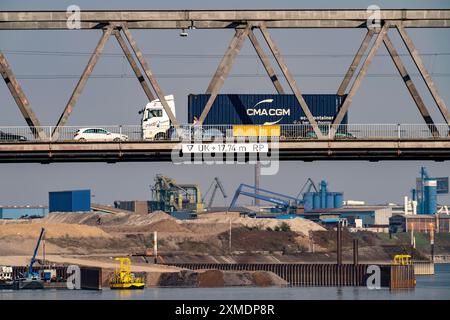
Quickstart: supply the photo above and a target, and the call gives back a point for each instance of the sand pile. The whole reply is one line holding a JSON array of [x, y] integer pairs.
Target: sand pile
[[297, 224], [52, 230], [108, 219]]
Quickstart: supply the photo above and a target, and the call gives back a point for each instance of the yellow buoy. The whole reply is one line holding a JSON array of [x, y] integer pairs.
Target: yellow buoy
[[123, 278]]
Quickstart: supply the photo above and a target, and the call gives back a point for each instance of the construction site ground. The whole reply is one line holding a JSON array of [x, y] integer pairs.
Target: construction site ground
[[95, 239]]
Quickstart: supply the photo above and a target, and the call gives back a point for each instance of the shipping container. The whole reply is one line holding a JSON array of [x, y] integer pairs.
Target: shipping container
[[265, 108], [70, 201]]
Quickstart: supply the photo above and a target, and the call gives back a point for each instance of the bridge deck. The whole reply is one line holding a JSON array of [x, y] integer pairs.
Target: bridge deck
[[309, 150]]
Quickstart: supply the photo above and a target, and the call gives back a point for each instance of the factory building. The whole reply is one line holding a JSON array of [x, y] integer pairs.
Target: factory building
[[366, 216], [419, 223], [136, 206], [16, 212]]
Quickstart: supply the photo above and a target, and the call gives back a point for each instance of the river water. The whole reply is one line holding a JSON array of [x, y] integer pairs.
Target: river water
[[436, 287]]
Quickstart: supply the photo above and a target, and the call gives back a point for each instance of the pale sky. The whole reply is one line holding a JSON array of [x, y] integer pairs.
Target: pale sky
[[116, 101]]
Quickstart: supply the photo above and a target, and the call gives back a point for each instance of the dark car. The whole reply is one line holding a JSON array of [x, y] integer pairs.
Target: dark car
[[5, 136]]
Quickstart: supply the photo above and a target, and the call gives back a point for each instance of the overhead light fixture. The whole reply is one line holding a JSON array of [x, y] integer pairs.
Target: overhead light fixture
[[183, 33]]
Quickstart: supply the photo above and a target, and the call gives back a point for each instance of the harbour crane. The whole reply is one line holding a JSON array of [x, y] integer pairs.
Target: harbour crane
[[30, 274], [309, 184], [286, 203], [217, 184]]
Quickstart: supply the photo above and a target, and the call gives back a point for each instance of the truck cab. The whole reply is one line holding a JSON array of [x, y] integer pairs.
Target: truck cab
[[155, 121]]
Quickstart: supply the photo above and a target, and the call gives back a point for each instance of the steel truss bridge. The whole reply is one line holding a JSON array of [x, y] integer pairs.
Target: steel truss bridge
[[48, 147]]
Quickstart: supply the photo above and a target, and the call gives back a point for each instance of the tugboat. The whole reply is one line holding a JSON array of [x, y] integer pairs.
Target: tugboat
[[123, 278]]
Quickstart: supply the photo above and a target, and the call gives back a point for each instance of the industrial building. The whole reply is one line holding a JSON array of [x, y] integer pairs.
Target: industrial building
[[16, 212], [368, 215], [70, 201], [419, 223], [136, 206]]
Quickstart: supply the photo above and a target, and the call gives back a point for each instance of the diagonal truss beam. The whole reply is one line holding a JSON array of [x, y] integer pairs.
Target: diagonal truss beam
[[20, 99], [224, 69], [424, 72], [226, 60], [290, 79], [410, 85], [150, 76], [356, 84], [82, 81], [355, 63], [133, 65], [266, 63]]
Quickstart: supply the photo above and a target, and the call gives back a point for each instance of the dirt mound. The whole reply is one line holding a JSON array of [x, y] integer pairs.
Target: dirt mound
[[162, 226], [299, 225], [52, 230], [210, 279], [108, 219]]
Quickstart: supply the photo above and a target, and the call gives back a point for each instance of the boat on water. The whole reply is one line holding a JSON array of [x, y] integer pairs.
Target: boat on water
[[32, 283], [123, 278]]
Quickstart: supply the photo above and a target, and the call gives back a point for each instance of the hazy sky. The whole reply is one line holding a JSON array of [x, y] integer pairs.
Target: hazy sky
[[116, 101]]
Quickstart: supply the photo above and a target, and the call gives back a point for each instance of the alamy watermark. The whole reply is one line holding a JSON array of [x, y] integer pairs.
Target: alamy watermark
[[211, 147], [73, 17]]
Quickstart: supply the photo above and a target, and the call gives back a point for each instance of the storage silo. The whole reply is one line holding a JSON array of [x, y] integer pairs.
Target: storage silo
[[330, 200], [338, 200], [430, 196], [323, 194], [316, 200], [308, 201]]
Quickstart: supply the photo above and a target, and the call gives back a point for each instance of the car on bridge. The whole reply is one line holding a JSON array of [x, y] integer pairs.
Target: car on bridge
[[6, 136], [340, 134], [98, 134]]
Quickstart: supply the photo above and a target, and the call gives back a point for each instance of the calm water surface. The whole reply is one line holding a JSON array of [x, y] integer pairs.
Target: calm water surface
[[435, 287]]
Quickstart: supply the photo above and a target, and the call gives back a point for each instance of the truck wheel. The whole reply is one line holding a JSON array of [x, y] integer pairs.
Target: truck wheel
[[160, 136], [116, 140]]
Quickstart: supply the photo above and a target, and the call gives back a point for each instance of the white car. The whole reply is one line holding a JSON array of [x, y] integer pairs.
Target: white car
[[98, 134]]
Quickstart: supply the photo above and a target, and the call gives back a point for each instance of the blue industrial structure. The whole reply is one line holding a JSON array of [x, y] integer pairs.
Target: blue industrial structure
[[427, 190], [16, 212], [322, 199], [70, 201], [285, 203]]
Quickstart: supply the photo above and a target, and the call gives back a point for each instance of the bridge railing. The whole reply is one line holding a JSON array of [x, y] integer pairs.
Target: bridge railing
[[291, 132]]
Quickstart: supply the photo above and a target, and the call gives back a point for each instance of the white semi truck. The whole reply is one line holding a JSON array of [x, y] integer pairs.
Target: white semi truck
[[155, 121]]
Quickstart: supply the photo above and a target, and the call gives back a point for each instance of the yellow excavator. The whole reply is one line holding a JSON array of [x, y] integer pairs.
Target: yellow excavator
[[123, 278]]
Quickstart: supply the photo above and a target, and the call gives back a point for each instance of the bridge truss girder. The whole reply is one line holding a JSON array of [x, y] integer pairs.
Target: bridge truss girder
[[244, 22]]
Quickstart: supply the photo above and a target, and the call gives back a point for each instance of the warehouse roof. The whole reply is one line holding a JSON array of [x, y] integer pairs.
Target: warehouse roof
[[24, 207], [350, 209]]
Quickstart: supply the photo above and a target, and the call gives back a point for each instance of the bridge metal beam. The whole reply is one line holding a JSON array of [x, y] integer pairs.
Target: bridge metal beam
[[150, 76], [133, 65], [355, 63], [224, 69], [410, 85], [271, 24], [356, 84], [424, 72], [82, 81], [223, 18], [373, 150], [290, 80], [266, 62], [21, 99]]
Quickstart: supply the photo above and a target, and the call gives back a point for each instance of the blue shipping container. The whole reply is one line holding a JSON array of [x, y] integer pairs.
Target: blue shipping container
[[70, 201], [264, 108]]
